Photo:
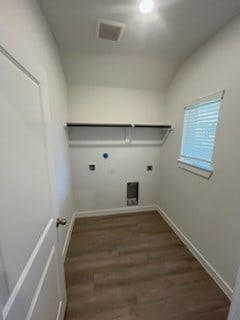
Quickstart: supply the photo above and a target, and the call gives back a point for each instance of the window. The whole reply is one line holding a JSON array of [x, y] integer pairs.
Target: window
[[199, 131]]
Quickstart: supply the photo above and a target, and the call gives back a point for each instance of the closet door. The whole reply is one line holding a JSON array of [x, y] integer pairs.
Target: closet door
[[31, 270]]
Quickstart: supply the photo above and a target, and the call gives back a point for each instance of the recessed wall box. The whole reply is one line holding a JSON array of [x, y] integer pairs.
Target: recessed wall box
[[91, 167], [132, 193]]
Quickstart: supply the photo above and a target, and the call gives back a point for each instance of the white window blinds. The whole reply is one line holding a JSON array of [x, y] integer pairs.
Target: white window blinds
[[199, 131]]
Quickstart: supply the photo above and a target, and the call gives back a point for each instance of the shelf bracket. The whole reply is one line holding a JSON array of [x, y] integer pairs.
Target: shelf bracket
[[128, 135]]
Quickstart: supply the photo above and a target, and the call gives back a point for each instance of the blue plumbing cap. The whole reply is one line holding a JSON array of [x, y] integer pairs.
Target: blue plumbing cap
[[105, 155]]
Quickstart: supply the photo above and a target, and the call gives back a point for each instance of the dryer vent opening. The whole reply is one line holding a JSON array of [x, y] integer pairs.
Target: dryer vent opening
[[132, 193]]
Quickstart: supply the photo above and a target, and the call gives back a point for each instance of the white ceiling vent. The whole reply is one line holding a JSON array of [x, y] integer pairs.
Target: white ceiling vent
[[110, 30]]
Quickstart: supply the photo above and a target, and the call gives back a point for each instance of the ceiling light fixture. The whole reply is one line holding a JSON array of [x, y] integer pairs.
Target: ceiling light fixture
[[146, 6]]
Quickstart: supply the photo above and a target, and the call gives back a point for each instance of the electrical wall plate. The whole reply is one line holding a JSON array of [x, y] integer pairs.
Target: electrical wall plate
[[91, 167]]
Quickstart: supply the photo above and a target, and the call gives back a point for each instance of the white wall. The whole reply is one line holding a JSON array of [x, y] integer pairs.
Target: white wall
[[113, 89], [107, 104], [207, 211], [23, 30], [107, 187], [117, 70]]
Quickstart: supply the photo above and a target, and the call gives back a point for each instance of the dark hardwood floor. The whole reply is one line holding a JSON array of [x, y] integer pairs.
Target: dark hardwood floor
[[133, 267]]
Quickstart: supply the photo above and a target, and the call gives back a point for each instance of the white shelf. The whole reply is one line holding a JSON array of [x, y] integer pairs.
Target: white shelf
[[79, 143], [117, 125], [99, 134], [115, 143], [97, 125]]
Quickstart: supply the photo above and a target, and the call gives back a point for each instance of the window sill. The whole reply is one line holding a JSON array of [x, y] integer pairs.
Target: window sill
[[195, 170]]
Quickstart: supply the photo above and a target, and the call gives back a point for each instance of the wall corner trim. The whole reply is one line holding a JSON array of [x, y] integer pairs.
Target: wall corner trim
[[68, 237], [198, 255]]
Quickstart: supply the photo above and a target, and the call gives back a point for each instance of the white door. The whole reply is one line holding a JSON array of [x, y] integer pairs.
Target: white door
[[31, 273]]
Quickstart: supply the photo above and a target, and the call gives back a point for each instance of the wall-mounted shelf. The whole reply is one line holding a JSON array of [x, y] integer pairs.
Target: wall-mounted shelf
[[117, 125], [97, 125], [161, 126], [117, 134]]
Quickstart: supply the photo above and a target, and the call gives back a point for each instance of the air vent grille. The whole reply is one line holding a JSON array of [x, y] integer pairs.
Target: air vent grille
[[110, 30]]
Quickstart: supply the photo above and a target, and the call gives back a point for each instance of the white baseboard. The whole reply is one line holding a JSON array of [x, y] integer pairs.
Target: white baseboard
[[68, 237], [234, 312], [197, 254], [107, 212]]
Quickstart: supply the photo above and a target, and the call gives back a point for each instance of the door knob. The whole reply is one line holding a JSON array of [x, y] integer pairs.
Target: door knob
[[61, 222]]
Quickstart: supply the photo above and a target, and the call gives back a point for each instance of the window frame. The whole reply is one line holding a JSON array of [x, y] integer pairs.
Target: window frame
[[191, 167]]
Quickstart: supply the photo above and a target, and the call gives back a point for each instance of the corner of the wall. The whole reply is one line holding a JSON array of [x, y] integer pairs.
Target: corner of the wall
[[68, 237], [198, 255]]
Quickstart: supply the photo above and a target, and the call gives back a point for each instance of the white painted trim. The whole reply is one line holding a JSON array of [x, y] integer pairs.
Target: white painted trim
[[234, 313], [68, 237], [198, 255], [59, 313], [195, 170], [41, 246], [4, 292], [107, 212], [40, 285]]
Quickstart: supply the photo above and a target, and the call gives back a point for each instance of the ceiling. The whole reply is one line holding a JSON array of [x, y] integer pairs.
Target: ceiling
[[170, 34]]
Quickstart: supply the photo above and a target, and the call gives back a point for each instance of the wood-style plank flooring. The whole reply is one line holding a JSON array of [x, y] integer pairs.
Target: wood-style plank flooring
[[133, 267]]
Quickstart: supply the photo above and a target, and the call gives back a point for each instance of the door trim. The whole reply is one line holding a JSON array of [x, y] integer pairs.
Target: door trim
[[234, 312], [4, 292], [40, 285], [38, 257]]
